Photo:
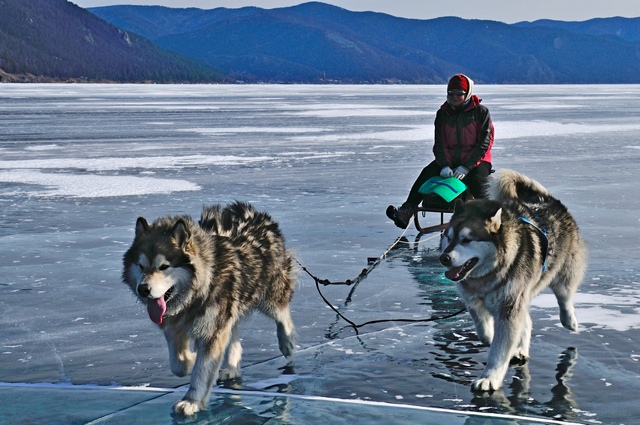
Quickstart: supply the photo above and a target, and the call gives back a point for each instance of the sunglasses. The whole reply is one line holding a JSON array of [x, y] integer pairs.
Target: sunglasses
[[456, 92]]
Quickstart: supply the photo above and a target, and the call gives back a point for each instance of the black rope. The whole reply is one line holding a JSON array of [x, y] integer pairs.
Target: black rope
[[361, 276]]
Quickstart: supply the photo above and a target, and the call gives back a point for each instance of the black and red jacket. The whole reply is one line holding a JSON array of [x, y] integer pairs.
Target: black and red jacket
[[463, 137]]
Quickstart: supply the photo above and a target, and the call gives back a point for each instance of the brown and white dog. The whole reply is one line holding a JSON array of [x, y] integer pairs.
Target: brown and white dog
[[198, 279], [502, 252]]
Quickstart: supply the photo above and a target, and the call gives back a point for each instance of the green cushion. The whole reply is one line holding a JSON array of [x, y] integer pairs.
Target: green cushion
[[448, 188]]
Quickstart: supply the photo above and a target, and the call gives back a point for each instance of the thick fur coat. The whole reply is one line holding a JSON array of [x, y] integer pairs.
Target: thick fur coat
[[198, 279], [501, 252]]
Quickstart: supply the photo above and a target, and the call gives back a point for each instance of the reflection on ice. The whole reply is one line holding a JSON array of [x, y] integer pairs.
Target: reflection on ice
[[351, 361]]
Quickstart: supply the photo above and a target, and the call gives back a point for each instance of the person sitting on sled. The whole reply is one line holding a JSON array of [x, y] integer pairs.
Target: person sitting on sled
[[462, 147]]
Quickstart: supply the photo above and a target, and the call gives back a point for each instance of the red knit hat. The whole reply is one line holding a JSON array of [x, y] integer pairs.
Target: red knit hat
[[458, 82]]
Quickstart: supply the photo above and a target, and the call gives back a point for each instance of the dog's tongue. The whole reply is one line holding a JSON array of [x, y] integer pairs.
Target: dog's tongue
[[156, 310], [454, 273]]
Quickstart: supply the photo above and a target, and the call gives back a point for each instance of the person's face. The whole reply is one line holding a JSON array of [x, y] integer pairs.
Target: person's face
[[455, 98]]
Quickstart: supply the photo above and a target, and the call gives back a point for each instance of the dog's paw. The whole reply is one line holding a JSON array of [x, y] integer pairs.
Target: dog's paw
[[287, 345], [182, 369], [485, 334], [520, 357], [182, 362], [486, 384], [569, 321], [486, 340], [229, 373], [287, 349], [186, 407], [518, 361]]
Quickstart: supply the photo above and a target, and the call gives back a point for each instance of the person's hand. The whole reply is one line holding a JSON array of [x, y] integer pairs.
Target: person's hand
[[460, 172], [446, 172]]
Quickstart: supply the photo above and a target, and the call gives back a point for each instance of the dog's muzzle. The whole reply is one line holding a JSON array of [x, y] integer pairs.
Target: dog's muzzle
[[144, 290], [445, 260], [456, 273]]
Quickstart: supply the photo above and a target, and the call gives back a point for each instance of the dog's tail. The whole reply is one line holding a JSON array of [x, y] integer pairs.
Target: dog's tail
[[509, 184]]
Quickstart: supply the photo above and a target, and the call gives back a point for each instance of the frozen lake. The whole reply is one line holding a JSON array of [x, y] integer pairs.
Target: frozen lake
[[79, 164]]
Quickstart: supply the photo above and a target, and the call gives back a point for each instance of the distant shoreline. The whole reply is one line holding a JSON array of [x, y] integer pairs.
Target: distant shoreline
[[6, 77]]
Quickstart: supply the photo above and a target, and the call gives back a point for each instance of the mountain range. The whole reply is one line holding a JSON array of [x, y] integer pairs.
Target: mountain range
[[309, 43], [317, 42]]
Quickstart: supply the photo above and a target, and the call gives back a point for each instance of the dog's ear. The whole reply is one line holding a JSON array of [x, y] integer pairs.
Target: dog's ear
[[181, 233], [494, 223], [141, 226]]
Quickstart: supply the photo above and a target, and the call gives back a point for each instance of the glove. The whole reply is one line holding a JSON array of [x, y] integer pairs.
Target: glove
[[460, 172], [446, 172]]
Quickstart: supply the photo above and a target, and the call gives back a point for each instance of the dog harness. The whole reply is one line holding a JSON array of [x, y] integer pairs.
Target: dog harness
[[544, 241]]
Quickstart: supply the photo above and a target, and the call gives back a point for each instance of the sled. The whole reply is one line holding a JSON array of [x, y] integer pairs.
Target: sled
[[424, 209], [438, 194]]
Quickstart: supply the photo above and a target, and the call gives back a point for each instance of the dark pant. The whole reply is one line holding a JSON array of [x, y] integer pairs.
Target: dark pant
[[476, 181]]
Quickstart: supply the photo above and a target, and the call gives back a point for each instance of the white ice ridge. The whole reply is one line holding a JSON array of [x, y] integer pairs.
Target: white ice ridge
[[143, 162], [533, 129], [298, 397], [93, 186], [592, 309]]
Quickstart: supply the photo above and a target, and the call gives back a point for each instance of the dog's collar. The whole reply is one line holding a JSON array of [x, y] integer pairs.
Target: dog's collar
[[544, 241]]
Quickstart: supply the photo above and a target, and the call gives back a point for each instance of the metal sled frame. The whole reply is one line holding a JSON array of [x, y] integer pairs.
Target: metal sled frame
[[423, 210]]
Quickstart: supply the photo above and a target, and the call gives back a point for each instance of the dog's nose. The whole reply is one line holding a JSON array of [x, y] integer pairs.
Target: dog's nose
[[445, 260], [144, 290]]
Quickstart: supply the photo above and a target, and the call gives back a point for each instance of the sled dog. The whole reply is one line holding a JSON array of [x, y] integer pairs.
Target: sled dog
[[501, 252], [198, 279]]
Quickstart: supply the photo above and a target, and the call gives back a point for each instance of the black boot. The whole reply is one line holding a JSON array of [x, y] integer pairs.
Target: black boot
[[401, 216]]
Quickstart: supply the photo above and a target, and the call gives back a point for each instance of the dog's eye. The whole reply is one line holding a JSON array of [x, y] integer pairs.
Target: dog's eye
[[163, 267]]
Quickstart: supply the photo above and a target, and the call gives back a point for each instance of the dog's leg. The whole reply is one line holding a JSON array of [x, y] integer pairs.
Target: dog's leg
[[565, 285], [564, 294], [508, 330], [521, 353], [205, 372], [482, 320], [286, 331], [234, 356], [181, 357]]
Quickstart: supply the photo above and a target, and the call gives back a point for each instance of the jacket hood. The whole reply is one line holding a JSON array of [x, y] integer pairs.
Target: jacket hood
[[461, 82], [470, 92]]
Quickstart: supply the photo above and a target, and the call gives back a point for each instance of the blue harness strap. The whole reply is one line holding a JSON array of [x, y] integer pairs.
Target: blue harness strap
[[544, 241]]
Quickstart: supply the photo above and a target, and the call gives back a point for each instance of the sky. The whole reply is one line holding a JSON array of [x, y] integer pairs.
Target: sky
[[508, 11]]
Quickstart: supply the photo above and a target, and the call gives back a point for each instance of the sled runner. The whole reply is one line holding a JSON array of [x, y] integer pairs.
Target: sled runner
[[424, 209]]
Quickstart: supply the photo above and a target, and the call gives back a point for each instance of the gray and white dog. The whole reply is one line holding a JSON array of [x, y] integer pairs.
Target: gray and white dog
[[198, 279], [504, 250]]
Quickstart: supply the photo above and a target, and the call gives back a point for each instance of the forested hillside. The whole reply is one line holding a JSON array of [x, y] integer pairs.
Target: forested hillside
[[55, 39]]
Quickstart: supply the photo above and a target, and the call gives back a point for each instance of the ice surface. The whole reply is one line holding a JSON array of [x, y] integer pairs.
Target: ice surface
[[79, 164]]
